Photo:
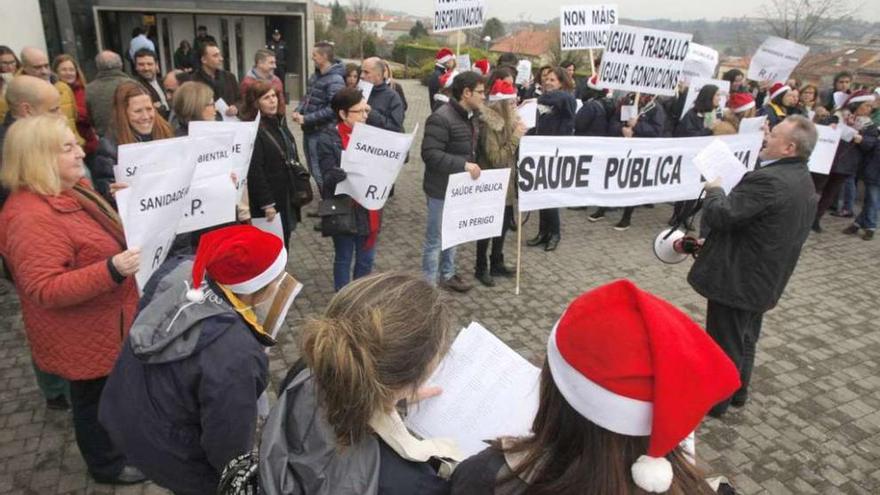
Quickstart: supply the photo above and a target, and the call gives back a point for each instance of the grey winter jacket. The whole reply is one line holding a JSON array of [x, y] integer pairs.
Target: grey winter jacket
[[756, 236], [315, 105], [386, 108], [451, 137], [99, 98]]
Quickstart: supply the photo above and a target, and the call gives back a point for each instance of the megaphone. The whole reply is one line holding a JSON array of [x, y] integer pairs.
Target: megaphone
[[673, 246]]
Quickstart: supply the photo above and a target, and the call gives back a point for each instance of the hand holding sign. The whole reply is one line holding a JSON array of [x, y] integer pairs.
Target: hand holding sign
[[473, 169], [127, 262]]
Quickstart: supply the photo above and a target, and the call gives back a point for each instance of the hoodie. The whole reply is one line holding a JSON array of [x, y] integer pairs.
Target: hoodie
[[181, 401]]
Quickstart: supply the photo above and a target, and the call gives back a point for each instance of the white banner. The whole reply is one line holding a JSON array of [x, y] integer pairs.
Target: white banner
[[826, 147], [775, 59], [585, 26], [242, 145], [150, 210], [371, 162], [474, 209], [560, 171], [452, 15], [643, 60], [701, 61], [697, 84]]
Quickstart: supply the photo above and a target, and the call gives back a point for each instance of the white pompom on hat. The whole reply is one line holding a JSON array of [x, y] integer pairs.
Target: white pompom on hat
[[634, 364]]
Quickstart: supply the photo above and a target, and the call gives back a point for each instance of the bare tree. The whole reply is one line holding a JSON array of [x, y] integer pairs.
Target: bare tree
[[802, 20], [361, 12]]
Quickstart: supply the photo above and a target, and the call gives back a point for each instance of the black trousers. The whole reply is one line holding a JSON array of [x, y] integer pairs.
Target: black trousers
[[549, 222], [496, 258], [627, 212], [736, 331], [828, 187], [102, 458]]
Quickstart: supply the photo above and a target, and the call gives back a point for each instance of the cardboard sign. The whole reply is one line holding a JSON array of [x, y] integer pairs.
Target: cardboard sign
[[701, 61], [452, 15], [557, 171], [474, 209], [775, 59], [826, 147], [586, 26], [372, 161], [643, 60], [697, 84]]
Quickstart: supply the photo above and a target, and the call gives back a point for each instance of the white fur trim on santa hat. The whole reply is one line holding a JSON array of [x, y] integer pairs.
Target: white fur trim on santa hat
[[745, 107], [652, 474], [269, 274], [441, 98], [502, 96], [860, 99], [779, 91], [601, 406]]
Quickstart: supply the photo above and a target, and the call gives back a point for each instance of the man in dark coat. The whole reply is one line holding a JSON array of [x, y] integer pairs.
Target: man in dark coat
[[224, 84], [756, 236], [386, 107], [314, 112], [279, 47], [182, 400], [449, 147], [444, 61]]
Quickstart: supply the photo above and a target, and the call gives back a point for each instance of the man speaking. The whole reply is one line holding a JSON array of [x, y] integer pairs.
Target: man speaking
[[755, 239]]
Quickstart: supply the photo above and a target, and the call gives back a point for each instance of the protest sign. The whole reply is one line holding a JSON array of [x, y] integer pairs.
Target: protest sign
[[752, 124], [582, 27], [580, 171], [366, 89], [628, 112], [463, 62], [222, 107], [523, 72], [697, 84], [371, 162], [242, 145], [528, 112], [826, 147], [489, 391], [274, 227], [643, 60], [701, 61], [151, 209], [452, 15], [775, 59], [137, 159], [716, 161], [474, 208], [847, 133]]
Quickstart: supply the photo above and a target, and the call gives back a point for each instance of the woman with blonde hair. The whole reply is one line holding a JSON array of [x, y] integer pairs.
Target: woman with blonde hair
[[134, 120], [70, 73], [193, 101], [336, 427], [66, 249]]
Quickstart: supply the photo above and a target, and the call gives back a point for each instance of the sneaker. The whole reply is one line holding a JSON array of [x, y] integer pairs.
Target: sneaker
[[129, 475], [456, 284], [851, 230], [596, 216], [868, 235], [622, 225], [843, 213], [58, 403]]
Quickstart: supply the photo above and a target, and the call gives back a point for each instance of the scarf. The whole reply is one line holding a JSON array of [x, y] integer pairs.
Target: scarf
[[100, 210], [375, 216]]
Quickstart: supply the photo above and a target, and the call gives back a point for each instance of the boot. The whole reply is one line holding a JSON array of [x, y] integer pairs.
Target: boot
[[499, 270], [538, 240], [485, 279], [552, 243]]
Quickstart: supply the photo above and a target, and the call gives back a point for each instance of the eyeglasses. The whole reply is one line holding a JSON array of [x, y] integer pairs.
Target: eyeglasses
[[7, 62], [365, 111]]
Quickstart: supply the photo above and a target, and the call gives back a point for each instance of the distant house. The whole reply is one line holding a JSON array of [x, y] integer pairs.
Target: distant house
[[373, 23], [820, 68], [396, 29], [532, 44]]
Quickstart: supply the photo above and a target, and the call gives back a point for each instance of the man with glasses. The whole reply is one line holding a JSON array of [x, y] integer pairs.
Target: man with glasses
[[449, 147]]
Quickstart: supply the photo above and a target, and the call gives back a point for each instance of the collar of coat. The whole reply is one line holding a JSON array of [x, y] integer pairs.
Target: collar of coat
[[492, 118], [789, 160], [465, 114]]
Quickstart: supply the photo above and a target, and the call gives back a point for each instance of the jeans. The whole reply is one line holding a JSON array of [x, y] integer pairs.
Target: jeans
[[736, 331], [102, 458], [348, 247], [310, 145], [848, 195], [432, 257], [867, 218], [549, 222], [52, 386]]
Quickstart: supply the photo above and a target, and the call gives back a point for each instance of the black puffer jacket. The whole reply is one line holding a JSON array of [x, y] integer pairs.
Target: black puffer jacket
[[386, 109], [850, 156], [330, 157], [315, 105], [434, 86], [651, 123], [556, 111], [451, 138], [692, 125], [756, 236], [592, 119]]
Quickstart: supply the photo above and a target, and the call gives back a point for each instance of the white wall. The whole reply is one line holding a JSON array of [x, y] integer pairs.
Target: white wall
[[21, 25]]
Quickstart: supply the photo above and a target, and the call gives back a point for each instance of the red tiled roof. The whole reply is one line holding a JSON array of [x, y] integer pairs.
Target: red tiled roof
[[531, 43]]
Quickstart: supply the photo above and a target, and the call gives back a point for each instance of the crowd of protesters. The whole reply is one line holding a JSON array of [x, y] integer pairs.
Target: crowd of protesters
[[141, 374]]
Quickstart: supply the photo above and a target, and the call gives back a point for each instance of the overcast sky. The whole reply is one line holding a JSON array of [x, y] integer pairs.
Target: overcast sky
[[542, 10]]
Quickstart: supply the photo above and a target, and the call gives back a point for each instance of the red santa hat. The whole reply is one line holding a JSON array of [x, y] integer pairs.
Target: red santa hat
[[241, 257], [634, 364], [860, 96], [482, 66], [740, 102], [502, 90], [778, 89], [593, 83], [443, 55], [447, 78]]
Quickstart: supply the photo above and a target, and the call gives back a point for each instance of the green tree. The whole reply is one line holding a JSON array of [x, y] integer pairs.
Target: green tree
[[493, 28], [337, 16], [418, 31]]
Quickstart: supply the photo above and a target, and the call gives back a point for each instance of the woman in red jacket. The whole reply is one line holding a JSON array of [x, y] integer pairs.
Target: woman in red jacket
[[66, 249], [69, 71]]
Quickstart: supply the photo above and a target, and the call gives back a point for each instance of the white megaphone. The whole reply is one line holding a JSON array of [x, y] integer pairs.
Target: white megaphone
[[671, 246]]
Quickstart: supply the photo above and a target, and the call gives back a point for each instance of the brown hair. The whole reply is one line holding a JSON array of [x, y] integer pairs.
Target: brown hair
[[121, 128], [80, 77], [570, 454], [565, 82], [379, 337], [190, 99], [251, 106]]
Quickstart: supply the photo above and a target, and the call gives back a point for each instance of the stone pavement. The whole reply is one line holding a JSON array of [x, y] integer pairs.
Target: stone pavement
[[812, 426]]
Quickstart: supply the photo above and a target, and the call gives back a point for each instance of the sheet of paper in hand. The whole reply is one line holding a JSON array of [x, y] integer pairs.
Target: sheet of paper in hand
[[718, 161]]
